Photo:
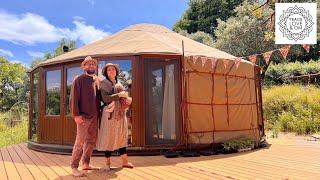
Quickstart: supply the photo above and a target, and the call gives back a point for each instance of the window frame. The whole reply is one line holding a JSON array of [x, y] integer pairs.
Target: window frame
[[46, 69]]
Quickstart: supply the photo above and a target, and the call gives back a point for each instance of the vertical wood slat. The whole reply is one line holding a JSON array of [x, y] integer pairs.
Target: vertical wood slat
[[63, 103], [42, 108], [30, 104], [142, 123], [136, 102]]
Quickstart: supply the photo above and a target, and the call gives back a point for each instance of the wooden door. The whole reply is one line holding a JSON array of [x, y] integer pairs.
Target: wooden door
[[70, 127], [162, 97], [52, 123]]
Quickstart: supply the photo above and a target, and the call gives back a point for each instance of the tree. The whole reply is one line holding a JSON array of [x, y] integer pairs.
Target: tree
[[202, 15], [13, 84], [71, 44], [199, 36], [244, 34]]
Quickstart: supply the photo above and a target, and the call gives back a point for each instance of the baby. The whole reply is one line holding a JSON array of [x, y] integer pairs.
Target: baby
[[117, 109]]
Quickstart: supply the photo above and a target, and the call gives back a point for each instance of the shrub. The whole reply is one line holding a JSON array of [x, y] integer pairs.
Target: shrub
[[239, 143], [292, 108], [14, 135], [278, 74], [14, 125]]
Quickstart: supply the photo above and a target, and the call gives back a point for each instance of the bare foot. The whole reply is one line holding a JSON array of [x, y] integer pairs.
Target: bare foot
[[77, 173], [87, 167], [127, 165], [106, 168]]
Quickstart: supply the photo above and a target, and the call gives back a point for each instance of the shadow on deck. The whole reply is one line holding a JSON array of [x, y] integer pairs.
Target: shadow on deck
[[284, 159]]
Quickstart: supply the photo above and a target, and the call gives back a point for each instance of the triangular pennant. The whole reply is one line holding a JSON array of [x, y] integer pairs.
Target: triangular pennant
[[237, 61], [253, 58], [203, 60], [284, 51], [186, 58], [267, 56], [213, 63], [194, 59], [198, 58], [306, 47], [225, 63]]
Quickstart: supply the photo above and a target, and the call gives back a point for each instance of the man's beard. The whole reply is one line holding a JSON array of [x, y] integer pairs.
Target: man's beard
[[90, 72]]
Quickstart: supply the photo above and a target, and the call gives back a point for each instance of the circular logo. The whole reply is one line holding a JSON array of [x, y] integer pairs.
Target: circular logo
[[295, 23]]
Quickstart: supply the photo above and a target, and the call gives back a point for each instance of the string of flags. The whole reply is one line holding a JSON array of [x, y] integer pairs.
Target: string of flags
[[252, 58], [283, 50]]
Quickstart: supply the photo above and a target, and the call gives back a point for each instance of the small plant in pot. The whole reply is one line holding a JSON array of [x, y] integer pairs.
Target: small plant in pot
[[238, 145]]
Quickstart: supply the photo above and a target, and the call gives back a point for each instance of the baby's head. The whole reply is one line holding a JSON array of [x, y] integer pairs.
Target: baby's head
[[118, 88]]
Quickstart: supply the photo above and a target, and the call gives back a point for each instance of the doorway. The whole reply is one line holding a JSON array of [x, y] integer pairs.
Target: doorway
[[162, 100]]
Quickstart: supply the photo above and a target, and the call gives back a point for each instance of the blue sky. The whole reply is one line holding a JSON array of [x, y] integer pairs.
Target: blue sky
[[30, 28]]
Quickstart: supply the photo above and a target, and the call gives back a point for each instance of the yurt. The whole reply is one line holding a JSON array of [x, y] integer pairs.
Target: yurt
[[184, 92]]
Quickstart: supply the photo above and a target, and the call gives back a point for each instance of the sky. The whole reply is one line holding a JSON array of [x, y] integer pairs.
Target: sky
[[28, 29]]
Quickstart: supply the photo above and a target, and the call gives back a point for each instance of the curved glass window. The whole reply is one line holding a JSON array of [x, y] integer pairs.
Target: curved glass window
[[71, 74], [35, 107], [53, 90]]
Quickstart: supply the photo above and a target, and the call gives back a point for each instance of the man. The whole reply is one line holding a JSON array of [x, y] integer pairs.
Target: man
[[84, 106]]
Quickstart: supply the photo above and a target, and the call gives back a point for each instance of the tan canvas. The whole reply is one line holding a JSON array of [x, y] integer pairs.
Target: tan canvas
[[231, 90], [141, 39]]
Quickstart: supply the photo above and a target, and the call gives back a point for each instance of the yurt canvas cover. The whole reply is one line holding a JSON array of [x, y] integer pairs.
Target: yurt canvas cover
[[221, 100]]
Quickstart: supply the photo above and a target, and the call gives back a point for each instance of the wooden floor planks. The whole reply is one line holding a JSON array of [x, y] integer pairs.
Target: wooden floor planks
[[282, 160]]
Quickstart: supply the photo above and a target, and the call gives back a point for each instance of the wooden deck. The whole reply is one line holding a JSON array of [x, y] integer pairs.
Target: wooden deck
[[284, 159]]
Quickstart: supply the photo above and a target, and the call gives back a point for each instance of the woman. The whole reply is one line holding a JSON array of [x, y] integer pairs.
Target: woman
[[113, 132]]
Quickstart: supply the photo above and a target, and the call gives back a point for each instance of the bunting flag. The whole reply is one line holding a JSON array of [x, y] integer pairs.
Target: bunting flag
[[253, 59], [267, 56], [194, 59], [198, 58], [237, 62], [213, 63], [284, 51], [306, 47], [203, 61], [187, 58], [225, 63]]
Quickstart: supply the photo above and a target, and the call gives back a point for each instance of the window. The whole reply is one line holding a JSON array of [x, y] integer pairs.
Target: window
[[161, 101], [35, 106], [71, 74], [53, 89]]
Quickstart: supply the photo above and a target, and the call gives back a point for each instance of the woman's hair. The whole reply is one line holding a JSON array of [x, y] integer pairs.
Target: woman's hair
[[107, 77]]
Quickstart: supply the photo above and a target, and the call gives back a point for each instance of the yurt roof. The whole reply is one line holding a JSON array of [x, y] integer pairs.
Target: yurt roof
[[141, 39]]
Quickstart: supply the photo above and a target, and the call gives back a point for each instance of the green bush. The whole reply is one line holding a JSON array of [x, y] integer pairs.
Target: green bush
[[292, 108], [14, 135], [278, 74], [239, 143], [19, 132]]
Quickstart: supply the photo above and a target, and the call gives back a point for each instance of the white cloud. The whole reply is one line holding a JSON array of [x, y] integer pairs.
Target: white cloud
[[86, 33], [6, 53], [18, 62], [35, 54], [29, 28]]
